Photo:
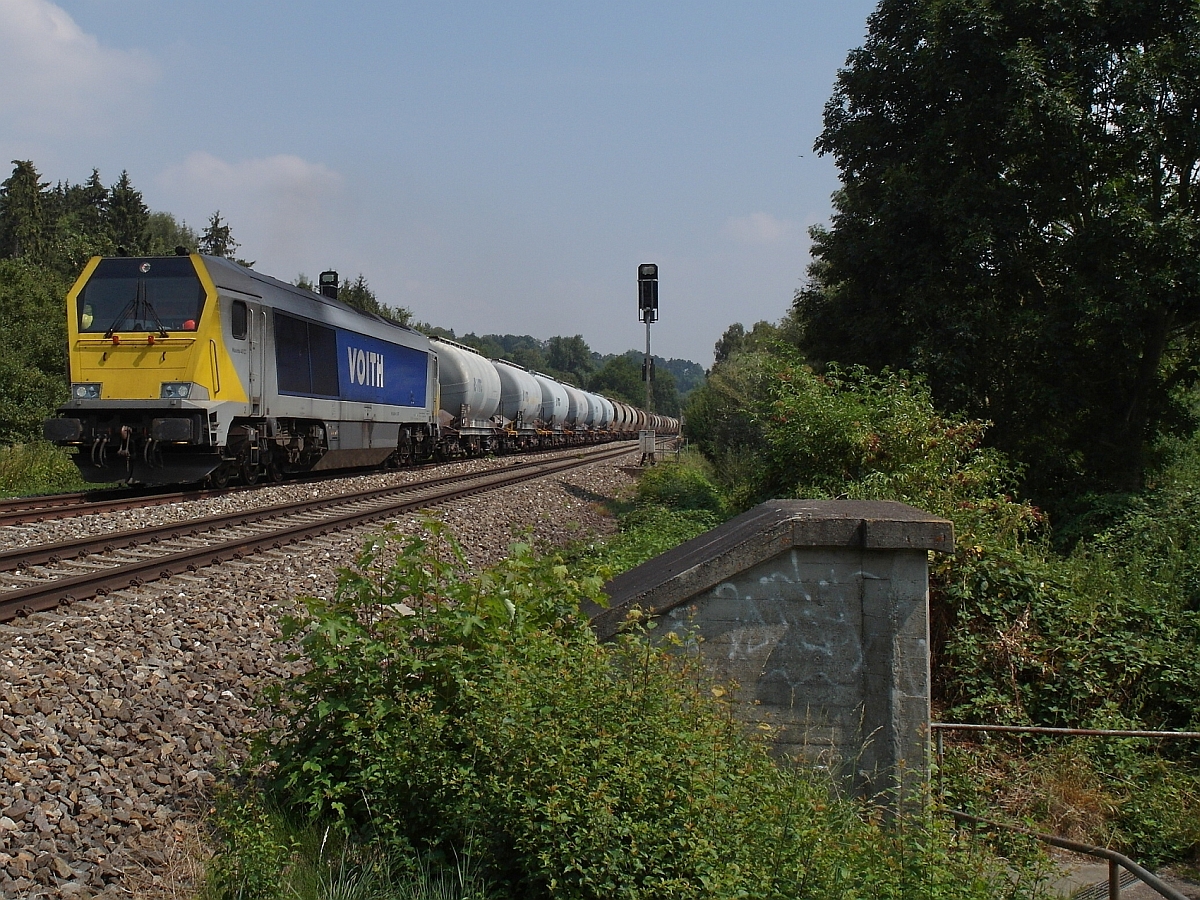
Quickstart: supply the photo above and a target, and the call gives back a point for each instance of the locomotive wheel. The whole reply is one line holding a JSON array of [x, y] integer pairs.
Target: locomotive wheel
[[274, 473], [250, 473], [404, 451], [220, 477]]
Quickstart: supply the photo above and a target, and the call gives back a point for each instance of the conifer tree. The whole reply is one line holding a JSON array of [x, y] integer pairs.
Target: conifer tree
[[128, 216], [217, 238], [22, 217], [89, 203]]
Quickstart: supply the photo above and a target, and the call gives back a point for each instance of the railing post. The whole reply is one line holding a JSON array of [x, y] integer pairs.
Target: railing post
[[941, 755], [1114, 880]]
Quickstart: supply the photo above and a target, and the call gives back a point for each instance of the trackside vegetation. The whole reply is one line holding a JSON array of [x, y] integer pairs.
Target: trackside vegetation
[[445, 715], [1104, 634]]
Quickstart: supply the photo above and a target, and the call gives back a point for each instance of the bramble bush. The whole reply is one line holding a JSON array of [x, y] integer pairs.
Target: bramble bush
[[442, 709]]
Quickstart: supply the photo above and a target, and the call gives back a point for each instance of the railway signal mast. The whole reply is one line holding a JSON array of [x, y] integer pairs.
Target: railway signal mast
[[648, 313]]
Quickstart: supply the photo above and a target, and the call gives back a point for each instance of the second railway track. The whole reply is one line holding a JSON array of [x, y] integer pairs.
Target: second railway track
[[130, 558]]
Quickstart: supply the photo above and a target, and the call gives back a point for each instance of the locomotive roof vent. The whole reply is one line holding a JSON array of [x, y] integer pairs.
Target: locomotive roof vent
[[329, 284]]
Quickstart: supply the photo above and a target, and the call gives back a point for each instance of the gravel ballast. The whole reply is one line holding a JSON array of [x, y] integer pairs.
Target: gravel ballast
[[119, 714]]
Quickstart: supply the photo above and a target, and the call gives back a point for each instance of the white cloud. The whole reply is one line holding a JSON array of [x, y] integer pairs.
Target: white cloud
[[279, 207], [55, 78], [761, 228]]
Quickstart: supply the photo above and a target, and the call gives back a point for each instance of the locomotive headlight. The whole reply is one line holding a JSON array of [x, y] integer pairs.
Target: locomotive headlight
[[176, 390], [85, 391]]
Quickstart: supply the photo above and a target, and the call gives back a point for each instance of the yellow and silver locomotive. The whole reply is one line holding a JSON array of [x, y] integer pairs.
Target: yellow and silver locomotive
[[191, 366]]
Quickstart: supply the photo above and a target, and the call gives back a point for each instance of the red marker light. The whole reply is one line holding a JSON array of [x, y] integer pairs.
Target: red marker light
[[116, 339], [150, 340], [189, 325]]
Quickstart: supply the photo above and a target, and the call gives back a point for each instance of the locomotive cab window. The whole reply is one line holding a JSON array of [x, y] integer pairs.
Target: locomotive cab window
[[141, 295], [238, 320]]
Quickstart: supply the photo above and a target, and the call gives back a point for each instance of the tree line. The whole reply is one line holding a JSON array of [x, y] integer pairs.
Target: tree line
[[572, 361], [1000, 325]]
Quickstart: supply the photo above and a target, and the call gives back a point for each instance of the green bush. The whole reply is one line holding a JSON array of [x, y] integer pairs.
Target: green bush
[[646, 532], [679, 485], [37, 469], [441, 709], [257, 849], [33, 366]]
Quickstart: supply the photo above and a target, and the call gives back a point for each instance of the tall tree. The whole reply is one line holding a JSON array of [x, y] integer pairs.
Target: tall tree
[[22, 217], [358, 294], [164, 233], [1019, 220], [621, 378], [128, 217], [217, 238], [89, 203], [569, 355]]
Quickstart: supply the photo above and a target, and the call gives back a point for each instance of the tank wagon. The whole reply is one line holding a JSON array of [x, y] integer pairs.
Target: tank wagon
[[193, 367]]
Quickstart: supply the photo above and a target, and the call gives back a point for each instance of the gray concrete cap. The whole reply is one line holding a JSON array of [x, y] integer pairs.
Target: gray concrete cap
[[762, 533]]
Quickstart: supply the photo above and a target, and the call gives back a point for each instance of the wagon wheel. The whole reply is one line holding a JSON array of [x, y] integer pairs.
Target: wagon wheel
[[250, 473], [219, 478], [404, 449]]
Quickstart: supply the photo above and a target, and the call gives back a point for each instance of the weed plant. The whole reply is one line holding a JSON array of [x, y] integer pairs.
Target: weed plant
[[269, 854], [440, 709]]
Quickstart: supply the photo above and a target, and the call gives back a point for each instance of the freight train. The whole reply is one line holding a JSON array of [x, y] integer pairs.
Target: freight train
[[193, 368]]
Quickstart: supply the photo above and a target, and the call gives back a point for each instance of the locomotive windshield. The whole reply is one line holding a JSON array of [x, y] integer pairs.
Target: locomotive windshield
[[163, 294]]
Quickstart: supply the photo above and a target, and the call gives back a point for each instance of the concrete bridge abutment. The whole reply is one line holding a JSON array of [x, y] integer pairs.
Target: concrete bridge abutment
[[818, 611]]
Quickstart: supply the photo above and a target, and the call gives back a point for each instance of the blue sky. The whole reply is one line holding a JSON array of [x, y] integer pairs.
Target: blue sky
[[493, 167]]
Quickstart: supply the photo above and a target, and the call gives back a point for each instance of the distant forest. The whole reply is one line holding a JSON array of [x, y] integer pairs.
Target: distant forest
[[48, 232]]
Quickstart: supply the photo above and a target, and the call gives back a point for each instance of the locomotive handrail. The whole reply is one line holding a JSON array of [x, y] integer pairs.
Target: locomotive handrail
[[107, 342]]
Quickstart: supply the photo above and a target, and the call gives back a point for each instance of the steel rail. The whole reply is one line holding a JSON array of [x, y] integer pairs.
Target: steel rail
[[26, 510], [40, 501], [42, 554], [41, 597]]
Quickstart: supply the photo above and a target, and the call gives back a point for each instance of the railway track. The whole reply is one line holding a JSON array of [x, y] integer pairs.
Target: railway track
[[24, 510], [28, 510], [39, 578]]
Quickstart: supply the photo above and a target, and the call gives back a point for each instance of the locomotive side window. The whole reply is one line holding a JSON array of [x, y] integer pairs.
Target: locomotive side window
[[238, 320], [141, 295], [305, 357]]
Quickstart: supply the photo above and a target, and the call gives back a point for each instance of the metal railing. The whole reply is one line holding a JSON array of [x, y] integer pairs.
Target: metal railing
[[1116, 861]]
